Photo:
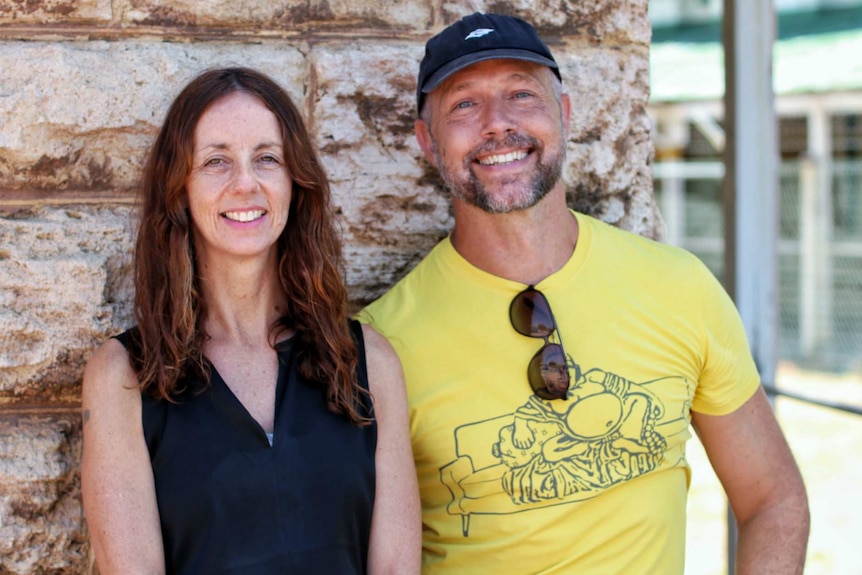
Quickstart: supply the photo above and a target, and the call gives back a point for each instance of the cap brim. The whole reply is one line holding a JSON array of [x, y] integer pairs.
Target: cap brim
[[450, 68]]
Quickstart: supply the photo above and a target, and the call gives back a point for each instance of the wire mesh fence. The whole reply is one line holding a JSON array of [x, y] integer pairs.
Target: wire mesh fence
[[819, 251]]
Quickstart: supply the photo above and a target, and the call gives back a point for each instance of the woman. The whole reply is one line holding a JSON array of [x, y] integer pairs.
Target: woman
[[245, 425]]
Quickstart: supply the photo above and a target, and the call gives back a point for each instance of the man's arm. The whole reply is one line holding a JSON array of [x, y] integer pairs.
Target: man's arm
[[752, 460]]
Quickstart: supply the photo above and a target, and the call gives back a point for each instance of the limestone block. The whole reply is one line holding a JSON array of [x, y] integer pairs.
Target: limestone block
[[372, 270], [607, 22], [55, 11], [288, 16], [389, 196], [65, 286], [81, 115], [609, 147], [42, 528]]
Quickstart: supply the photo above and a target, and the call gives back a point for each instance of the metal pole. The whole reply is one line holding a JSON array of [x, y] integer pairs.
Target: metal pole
[[750, 184]]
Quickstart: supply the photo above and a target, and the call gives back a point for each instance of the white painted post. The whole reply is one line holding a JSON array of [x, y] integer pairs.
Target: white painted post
[[816, 297]]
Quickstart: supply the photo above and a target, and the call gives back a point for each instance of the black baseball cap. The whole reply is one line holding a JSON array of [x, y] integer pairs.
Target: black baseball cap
[[476, 38]]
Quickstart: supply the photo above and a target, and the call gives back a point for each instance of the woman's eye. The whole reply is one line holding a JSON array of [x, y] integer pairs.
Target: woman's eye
[[269, 159], [213, 162]]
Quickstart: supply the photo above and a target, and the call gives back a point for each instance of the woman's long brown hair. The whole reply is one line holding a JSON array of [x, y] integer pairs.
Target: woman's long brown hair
[[169, 308]]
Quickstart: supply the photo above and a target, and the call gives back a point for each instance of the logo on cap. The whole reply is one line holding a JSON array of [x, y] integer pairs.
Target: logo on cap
[[478, 33]]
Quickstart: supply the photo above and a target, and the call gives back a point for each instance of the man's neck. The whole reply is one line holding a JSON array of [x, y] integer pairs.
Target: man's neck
[[524, 246]]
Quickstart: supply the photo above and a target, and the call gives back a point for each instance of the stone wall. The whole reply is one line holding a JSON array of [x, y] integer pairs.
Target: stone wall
[[83, 89]]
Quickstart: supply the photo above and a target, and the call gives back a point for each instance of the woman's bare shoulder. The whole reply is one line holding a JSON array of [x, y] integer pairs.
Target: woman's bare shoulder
[[383, 362], [109, 375]]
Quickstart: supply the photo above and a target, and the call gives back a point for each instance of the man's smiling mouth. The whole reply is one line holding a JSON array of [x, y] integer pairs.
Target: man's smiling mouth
[[497, 159]]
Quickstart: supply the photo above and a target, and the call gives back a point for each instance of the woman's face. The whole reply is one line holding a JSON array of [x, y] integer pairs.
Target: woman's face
[[239, 189]]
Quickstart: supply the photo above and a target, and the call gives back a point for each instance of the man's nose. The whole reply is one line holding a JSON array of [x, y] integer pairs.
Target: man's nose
[[497, 117]]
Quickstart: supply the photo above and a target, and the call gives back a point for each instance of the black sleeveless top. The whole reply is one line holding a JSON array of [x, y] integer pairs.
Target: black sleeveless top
[[229, 503]]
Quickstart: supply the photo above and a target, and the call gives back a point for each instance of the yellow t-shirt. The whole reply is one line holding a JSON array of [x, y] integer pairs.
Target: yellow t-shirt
[[597, 483]]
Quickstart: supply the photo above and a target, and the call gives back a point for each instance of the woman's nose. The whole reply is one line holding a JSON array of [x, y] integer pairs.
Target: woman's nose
[[244, 178]]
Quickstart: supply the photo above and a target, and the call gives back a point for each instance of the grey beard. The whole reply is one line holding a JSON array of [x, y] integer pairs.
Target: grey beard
[[471, 191]]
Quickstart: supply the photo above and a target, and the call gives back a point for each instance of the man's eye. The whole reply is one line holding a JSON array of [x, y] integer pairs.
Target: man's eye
[[464, 104], [522, 94]]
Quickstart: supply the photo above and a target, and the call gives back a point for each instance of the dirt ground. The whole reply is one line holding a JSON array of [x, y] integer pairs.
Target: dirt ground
[[828, 447]]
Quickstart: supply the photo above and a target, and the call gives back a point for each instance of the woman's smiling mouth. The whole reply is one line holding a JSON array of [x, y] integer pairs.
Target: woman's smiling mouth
[[244, 217]]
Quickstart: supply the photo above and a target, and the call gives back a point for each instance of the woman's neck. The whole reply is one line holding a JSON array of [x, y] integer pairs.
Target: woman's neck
[[243, 298]]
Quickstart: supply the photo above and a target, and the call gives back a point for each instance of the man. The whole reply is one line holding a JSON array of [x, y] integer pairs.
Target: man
[[554, 363]]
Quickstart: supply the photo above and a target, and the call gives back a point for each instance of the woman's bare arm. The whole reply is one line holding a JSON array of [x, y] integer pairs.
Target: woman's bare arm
[[116, 476], [396, 527]]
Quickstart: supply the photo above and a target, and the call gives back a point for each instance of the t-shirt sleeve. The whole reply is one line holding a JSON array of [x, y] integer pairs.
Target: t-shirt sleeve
[[729, 375], [364, 316]]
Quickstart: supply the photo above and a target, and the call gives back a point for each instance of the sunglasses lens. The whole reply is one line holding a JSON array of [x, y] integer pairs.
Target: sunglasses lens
[[548, 372], [531, 314]]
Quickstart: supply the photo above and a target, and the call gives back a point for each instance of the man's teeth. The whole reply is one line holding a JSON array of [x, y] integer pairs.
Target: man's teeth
[[502, 158], [244, 216]]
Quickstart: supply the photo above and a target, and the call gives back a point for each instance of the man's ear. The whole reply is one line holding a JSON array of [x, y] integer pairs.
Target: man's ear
[[566, 111], [423, 136]]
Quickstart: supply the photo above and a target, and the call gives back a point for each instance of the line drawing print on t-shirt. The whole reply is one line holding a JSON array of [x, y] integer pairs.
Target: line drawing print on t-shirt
[[551, 452]]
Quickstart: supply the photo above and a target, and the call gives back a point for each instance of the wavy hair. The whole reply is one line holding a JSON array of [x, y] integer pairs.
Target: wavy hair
[[169, 308]]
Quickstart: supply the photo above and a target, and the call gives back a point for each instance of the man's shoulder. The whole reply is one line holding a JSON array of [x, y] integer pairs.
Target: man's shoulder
[[651, 262], [615, 237]]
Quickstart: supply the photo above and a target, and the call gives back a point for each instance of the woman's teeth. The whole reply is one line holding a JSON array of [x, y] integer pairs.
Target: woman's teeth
[[244, 216]]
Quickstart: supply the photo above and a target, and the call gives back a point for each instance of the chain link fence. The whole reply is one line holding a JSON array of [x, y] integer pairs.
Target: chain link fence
[[819, 251]]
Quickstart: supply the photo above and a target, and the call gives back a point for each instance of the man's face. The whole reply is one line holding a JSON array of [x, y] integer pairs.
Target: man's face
[[496, 131]]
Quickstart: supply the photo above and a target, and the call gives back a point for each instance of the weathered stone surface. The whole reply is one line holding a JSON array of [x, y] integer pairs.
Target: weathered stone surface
[[54, 11], [42, 528], [609, 148], [608, 22], [81, 115], [65, 286], [294, 15], [387, 193]]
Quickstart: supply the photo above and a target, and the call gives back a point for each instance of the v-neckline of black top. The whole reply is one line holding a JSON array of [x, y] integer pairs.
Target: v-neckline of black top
[[223, 394]]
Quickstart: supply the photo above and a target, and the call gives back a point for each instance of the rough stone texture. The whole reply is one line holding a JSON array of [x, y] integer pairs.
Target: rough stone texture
[[609, 147], [393, 207], [42, 528], [292, 16], [617, 22], [87, 111], [86, 84], [64, 287], [46, 11], [273, 17]]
